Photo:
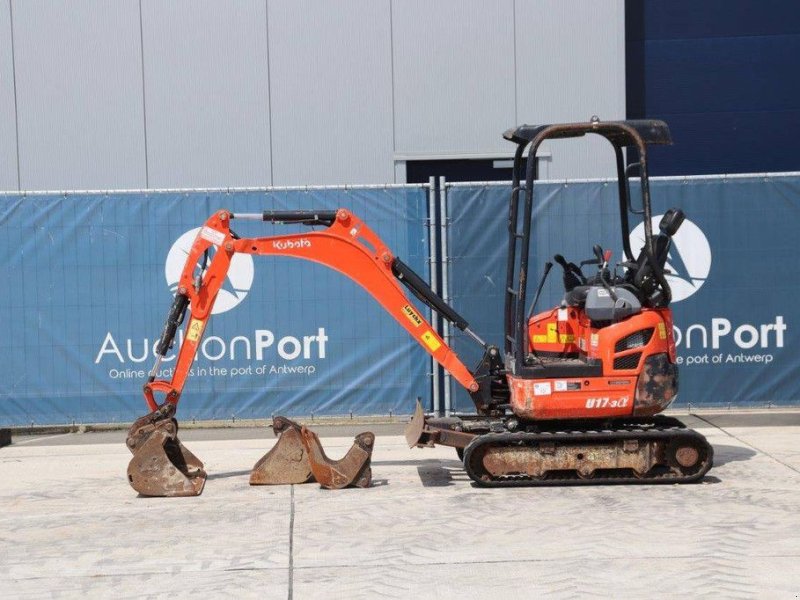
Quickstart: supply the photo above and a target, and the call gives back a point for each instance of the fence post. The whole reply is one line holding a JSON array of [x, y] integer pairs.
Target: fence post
[[434, 276], [445, 259]]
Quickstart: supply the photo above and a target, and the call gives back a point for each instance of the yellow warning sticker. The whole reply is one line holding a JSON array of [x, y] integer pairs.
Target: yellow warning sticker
[[553, 337], [594, 340], [662, 331], [195, 329], [430, 341], [412, 315]]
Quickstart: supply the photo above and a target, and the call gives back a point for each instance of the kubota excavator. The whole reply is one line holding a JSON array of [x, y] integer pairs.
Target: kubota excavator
[[572, 395]]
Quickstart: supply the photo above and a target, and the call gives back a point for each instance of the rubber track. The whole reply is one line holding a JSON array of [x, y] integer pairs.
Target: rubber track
[[667, 433]]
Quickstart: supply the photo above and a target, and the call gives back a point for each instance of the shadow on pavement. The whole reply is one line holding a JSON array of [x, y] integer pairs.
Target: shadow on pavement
[[405, 463], [442, 473], [724, 454]]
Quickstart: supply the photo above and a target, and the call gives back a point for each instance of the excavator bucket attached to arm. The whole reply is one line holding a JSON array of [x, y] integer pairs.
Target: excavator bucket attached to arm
[[161, 465]]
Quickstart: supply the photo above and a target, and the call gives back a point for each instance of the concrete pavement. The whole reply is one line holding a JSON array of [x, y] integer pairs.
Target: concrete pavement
[[70, 526]]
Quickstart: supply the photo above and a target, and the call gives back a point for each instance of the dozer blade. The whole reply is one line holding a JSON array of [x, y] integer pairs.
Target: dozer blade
[[287, 461], [425, 432], [415, 430], [352, 470], [161, 465]]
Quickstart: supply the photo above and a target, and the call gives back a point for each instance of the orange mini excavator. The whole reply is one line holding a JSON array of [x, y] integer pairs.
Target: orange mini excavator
[[572, 395]]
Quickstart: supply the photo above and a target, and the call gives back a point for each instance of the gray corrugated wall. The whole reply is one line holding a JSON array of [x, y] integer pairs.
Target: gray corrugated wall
[[331, 88], [206, 95], [79, 94], [570, 66], [8, 112], [135, 94], [454, 75]]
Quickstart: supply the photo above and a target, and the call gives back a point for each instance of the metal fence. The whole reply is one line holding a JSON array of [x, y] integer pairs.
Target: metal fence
[[734, 277], [89, 278]]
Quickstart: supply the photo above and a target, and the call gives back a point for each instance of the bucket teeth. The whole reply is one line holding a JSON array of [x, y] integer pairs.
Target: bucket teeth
[[161, 465], [352, 470], [287, 461]]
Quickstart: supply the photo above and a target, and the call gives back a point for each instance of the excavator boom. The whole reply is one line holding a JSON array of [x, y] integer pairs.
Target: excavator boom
[[161, 464], [347, 245]]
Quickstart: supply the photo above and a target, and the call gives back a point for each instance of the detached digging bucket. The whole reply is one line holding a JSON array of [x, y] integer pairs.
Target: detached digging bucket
[[287, 461], [298, 457], [352, 470]]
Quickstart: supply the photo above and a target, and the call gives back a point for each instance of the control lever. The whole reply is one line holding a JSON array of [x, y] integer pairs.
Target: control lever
[[573, 276], [598, 252], [605, 258]]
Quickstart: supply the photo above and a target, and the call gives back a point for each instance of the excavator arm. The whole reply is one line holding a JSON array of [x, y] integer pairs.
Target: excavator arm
[[161, 464], [346, 245]]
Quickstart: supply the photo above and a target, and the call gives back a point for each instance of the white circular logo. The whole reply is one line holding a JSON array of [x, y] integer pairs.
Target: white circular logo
[[236, 285], [689, 258]]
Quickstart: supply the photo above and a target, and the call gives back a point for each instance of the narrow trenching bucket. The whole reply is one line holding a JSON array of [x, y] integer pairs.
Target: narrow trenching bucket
[[287, 461], [161, 465], [352, 470]]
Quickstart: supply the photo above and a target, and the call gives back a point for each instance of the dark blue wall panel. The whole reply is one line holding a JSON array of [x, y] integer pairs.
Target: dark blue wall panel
[[723, 75]]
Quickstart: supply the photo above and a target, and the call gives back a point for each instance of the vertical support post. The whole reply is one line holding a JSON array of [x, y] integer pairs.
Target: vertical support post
[[445, 294], [434, 274]]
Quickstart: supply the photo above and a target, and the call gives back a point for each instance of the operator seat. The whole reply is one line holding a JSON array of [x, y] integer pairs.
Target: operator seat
[[577, 296], [639, 279]]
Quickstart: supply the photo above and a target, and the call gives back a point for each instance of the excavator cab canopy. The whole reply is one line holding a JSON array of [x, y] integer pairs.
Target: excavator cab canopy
[[617, 132], [633, 134]]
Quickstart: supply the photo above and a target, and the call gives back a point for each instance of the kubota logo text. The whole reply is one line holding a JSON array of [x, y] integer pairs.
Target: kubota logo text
[[237, 283], [292, 244]]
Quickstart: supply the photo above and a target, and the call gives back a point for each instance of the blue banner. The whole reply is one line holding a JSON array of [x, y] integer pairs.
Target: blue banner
[[735, 274], [88, 279]]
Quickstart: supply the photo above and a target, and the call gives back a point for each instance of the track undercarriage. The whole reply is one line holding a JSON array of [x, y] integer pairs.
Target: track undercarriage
[[655, 450]]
